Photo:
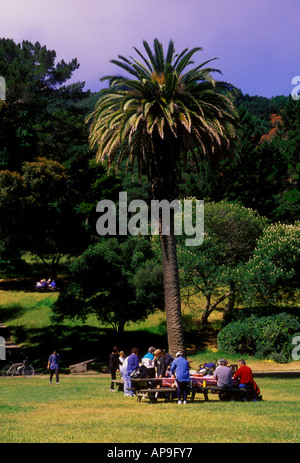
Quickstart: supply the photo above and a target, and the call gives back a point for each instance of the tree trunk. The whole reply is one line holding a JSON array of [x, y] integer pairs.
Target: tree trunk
[[229, 309], [172, 291], [206, 313], [121, 326], [209, 308], [164, 186]]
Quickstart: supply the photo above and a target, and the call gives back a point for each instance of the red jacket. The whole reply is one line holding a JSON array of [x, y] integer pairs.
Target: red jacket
[[244, 374]]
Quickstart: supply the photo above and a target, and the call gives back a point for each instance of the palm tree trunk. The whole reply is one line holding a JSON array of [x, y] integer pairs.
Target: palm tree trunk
[[172, 291], [164, 186]]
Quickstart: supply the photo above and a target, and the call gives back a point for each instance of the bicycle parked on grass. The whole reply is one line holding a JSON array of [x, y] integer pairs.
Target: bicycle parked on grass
[[16, 369]]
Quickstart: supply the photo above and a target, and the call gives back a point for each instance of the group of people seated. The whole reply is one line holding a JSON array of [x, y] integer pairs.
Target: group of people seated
[[224, 376], [46, 284], [158, 363]]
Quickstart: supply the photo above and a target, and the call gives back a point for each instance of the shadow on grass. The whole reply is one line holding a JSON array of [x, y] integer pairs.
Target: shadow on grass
[[11, 312], [84, 342], [80, 343]]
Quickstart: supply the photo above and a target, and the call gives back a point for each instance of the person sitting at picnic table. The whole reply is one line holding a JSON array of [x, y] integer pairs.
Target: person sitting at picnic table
[[52, 285], [244, 375], [180, 370], [132, 365], [168, 359], [148, 362], [38, 284], [161, 368], [223, 375], [123, 368], [160, 364], [122, 357]]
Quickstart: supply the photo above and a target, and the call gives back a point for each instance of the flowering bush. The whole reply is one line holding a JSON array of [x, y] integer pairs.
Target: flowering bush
[[273, 273]]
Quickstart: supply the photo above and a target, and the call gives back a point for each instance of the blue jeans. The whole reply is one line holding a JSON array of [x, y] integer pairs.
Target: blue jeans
[[127, 382], [182, 389]]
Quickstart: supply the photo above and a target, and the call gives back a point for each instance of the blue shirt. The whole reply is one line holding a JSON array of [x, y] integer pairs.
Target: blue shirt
[[180, 366], [133, 363], [54, 361]]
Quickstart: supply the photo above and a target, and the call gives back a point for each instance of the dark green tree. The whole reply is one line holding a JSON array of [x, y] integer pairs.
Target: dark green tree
[[118, 281], [231, 233], [39, 115]]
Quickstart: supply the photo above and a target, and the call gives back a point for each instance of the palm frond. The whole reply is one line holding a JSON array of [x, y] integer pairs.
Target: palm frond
[[166, 108]]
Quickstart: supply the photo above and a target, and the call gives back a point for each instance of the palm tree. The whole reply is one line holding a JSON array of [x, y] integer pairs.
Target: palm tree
[[162, 116]]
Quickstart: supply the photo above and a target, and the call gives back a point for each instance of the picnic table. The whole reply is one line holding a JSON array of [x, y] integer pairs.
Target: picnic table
[[154, 388], [151, 388]]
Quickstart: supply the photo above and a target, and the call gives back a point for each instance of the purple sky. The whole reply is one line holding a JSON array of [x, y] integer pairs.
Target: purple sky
[[257, 41]]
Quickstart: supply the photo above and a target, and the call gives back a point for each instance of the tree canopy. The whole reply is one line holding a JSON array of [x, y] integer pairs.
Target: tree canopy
[[118, 281]]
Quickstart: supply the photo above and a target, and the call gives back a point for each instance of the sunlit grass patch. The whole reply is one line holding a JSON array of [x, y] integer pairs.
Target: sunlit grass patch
[[81, 409]]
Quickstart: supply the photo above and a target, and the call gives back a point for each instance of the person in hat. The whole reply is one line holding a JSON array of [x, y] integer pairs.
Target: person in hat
[[180, 371]]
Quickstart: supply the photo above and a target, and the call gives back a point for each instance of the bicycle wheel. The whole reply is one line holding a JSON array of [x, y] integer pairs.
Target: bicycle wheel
[[28, 370], [8, 371]]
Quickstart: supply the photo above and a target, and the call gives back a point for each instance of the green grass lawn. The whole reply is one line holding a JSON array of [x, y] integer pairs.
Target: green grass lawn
[[82, 410]]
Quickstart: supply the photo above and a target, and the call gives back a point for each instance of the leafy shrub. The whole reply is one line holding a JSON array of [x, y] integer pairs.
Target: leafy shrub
[[267, 337]]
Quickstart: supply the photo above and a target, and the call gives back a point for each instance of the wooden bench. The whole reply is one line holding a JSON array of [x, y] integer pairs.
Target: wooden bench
[[119, 383], [224, 394], [154, 392], [80, 367], [234, 393]]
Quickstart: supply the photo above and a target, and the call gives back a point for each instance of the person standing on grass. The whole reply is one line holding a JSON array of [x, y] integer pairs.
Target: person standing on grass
[[53, 366], [132, 365], [180, 370], [114, 364]]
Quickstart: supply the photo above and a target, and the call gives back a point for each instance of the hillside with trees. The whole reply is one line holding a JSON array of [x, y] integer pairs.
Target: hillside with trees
[[50, 184]]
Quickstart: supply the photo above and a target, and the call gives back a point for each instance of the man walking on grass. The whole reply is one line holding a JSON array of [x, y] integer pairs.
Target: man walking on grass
[[53, 366]]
